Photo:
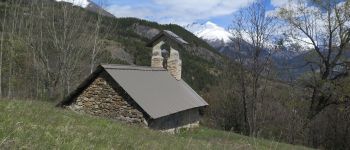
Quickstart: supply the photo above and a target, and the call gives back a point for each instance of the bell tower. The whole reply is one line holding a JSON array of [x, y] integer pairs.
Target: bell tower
[[167, 58]]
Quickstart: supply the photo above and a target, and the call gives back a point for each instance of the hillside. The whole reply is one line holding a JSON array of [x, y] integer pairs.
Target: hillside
[[39, 125], [117, 41], [47, 48]]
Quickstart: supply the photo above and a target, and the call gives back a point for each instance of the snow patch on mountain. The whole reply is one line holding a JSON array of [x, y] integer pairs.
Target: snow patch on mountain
[[81, 3], [210, 32]]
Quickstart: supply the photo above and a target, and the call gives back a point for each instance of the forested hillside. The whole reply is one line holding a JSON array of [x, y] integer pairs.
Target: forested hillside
[[48, 48], [62, 44]]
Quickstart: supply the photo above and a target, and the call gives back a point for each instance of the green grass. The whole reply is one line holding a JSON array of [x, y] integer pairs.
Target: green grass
[[39, 125]]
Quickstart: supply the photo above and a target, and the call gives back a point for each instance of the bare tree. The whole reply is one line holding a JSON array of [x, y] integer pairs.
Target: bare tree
[[252, 30], [2, 46], [60, 42], [96, 37], [14, 25], [68, 36], [324, 23]]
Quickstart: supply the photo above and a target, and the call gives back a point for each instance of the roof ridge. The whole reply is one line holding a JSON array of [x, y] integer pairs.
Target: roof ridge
[[131, 67]]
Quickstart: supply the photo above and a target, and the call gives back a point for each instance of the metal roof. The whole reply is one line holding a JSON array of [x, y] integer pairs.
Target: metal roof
[[168, 34], [155, 90], [178, 38]]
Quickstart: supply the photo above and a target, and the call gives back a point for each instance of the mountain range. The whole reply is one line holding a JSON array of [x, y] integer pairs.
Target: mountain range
[[215, 35], [219, 38], [89, 5]]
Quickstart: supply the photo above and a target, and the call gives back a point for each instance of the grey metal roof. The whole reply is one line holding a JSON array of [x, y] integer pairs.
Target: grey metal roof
[[155, 90], [178, 38], [168, 34]]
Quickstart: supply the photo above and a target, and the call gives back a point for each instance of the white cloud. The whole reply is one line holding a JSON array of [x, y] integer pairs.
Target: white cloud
[[180, 11]]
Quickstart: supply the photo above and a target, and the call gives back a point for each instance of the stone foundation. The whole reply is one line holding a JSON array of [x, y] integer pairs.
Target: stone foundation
[[173, 123], [100, 99], [185, 127]]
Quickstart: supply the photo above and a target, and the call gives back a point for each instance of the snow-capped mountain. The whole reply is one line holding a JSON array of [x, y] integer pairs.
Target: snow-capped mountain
[[88, 5], [224, 41], [81, 3], [215, 35]]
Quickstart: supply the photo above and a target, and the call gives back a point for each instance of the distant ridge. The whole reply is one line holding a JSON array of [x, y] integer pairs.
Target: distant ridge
[[98, 9], [89, 5], [215, 35]]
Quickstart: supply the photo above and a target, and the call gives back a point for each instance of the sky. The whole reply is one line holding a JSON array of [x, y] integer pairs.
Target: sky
[[182, 12]]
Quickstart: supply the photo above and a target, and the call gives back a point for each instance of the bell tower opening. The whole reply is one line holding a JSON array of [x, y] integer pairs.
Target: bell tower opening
[[165, 51]]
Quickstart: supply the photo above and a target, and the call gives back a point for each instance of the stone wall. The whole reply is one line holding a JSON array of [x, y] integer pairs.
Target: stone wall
[[174, 64], [101, 99], [175, 122], [157, 59]]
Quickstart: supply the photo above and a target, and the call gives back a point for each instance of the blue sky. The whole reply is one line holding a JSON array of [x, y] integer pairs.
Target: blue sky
[[182, 11]]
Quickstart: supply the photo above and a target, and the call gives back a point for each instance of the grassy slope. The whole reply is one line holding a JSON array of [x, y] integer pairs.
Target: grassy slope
[[39, 125]]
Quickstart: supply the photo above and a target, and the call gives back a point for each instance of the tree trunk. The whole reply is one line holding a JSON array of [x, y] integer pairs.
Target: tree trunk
[[2, 47]]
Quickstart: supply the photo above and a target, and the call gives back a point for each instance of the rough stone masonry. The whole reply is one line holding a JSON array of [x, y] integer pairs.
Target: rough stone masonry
[[100, 99], [174, 63]]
